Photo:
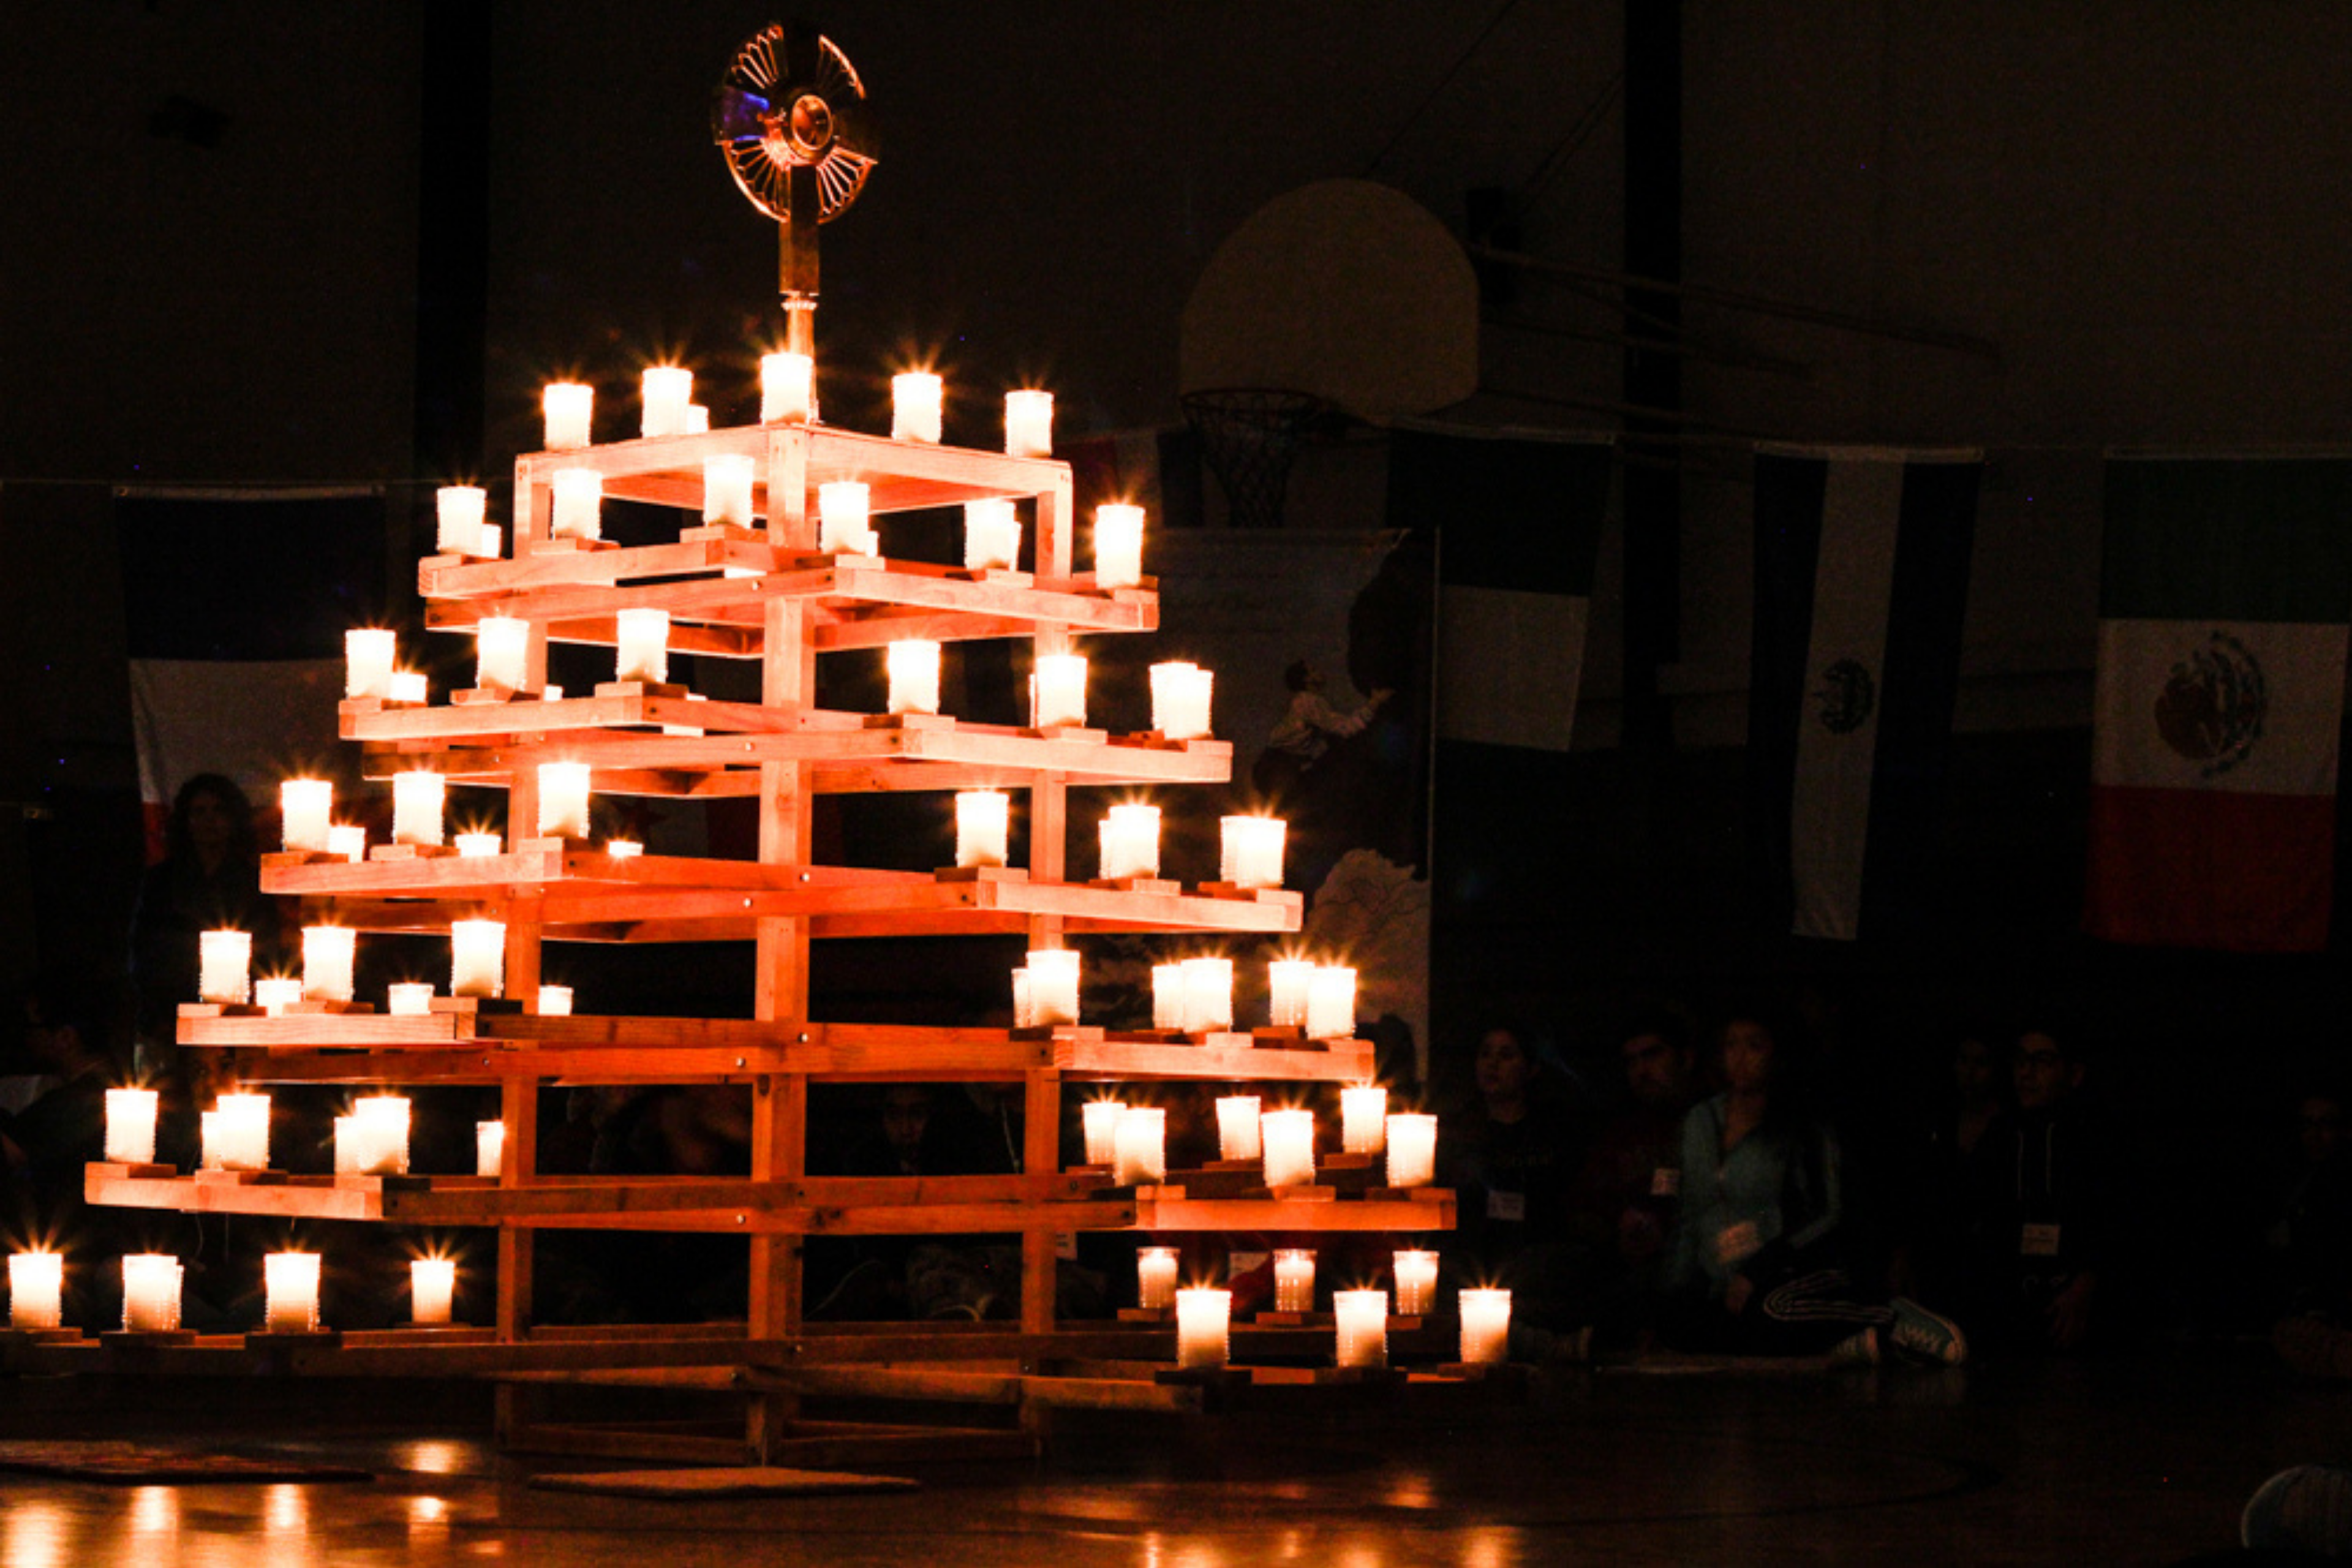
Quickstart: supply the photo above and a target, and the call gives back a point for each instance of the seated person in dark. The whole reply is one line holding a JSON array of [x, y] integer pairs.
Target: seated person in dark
[[913, 1130], [1510, 1156], [1929, 1252], [1620, 1206], [2306, 1238]]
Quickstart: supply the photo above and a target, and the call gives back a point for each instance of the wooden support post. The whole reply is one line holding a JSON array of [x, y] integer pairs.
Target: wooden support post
[[790, 526], [519, 1108], [1041, 1158]]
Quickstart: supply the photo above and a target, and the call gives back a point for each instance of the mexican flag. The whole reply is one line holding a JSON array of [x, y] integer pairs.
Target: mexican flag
[[2224, 590]]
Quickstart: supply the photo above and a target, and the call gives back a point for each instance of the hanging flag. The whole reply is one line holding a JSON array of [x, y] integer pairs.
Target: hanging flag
[[1861, 579], [2224, 589]]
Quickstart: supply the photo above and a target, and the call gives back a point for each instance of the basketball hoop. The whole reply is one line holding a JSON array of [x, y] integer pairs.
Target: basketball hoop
[[1250, 433]]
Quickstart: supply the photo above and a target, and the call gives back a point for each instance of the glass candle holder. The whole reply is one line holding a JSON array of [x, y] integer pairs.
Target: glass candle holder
[[665, 391], [1029, 424], [642, 646], [1363, 1114], [369, 655], [327, 955], [418, 800], [1485, 1325], [1293, 1280], [787, 389], [1364, 1322], [991, 536], [1140, 1150], [36, 1282], [290, 1286], [1099, 1120], [727, 482], [568, 407], [1238, 1129], [579, 499], [916, 400], [1155, 1278], [1203, 1318], [432, 1287], [459, 512], [1119, 545], [224, 966], [1287, 1138], [1415, 1272], [307, 807]]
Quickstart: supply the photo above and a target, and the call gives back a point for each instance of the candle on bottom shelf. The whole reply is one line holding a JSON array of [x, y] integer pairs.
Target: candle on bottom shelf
[[291, 1285], [1363, 1110], [991, 536], [1412, 1149], [564, 799], [1204, 1316], [1237, 1136], [368, 654], [418, 797], [623, 848], [151, 1293], [914, 668], [568, 406], [459, 512], [727, 488], [1179, 701], [914, 407], [983, 826], [1250, 850], [432, 1287], [478, 958], [1287, 984], [787, 388], [1331, 1002], [1485, 1326], [1293, 1280], [1415, 1272], [1155, 1278], [1119, 545], [1363, 1322], [131, 1126], [224, 966], [306, 807], [1052, 986], [1028, 424], [1099, 1118], [1288, 1141], [1140, 1146], [490, 1148], [36, 1282], [642, 650]]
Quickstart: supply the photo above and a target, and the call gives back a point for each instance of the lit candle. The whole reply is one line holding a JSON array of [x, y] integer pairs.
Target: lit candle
[[1053, 985], [841, 519], [1237, 1127], [36, 1282], [787, 389], [478, 958], [1413, 1150], [664, 390], [368, 657], [698, 419], [1058, 691], [567, 405], [501, 653], [348, 840], [409, 686], [1100, 1119], [1202, 1319], [347, 1145], [151, 1293], [1167, 995], [644, 639], [1180, 700], [983, 826], [914, 398], [243, 1131], [623, 848], [991, 536], [555, 1001], [1029, 424], [1363, 1327], [305, 806], [209, 1156], [490, 1148], [381, 1121], [1131, 842], [492, 542], [432, 1285], [1289, 1137], [290, 1288], [727, 488], [1119, 545], [579, 502], [275, 994], [1287, 982], [1416, 1281], [327, 955], [1155, 1278], [1251, 851], [914, 664], [224, 966], [479, 845], [1293, 1280], [1363, 1112], [131, 1126], [409, 998], [564, 799], [1485, 1326], [1331, 1002], [1140, 1146], [460, 510], [1208, 995], [417, 796], [1024, 1004]]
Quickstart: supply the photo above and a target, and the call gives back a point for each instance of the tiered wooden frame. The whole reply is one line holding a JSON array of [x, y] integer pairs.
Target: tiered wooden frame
[[761, 593]]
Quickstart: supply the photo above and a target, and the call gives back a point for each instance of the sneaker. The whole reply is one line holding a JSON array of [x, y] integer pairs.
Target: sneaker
[[1861, 1349], [1927, 1336]]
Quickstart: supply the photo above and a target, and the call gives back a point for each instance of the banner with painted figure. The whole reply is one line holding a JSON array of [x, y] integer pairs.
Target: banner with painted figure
[[2225, 587]]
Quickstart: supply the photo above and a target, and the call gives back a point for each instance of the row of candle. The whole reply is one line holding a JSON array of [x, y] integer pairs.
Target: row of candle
[[788, 397], [370, 1140], [1132, 1140], [152, 1287], [330, 955], [1195, 995], [1204, 1315], [1413, 1269]]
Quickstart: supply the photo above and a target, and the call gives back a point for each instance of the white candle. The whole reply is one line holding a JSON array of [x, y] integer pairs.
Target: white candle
[[1485, 1326], [1203, 1317], [348, 840], [501, 653], [36, 1282], [1287, 984], [131, 1126], [1293, 1280], [567, 405], [1251, 851], [1412, 1149], [209, 1156], [290, 1288], [492, 542], [478, 958], [275, 994], [914, 666], [1058, 691], [787, 389], [417, 796], [915, 398], [1167, 995], [432, 1285], [1416, 1281], [224, 966], [643, 651], [1119, 545], [1131, 842], [1331, 1002], [555, 1001], [1363, 1114], [1237, 1127], [727, 488], [1024, 1004], [1100, 1119], [381, 1121], [328, 953], [623, 848], [1289, 1137], [1180, 700], [983, 826], [841, 517], [479, 845], [305, 806], [1363, 1327], [409, 998], [460, 510], [1029, 424], [991, 536], [1155, 1278], [243, 1131], [564, 799], [1208, 995], [347, 1145], [151, 1293], [579, 502], [698, 419], [409, 686], [664, 390], [368, 653], [490, 1148], [1054, 986], [1140, 1146]]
